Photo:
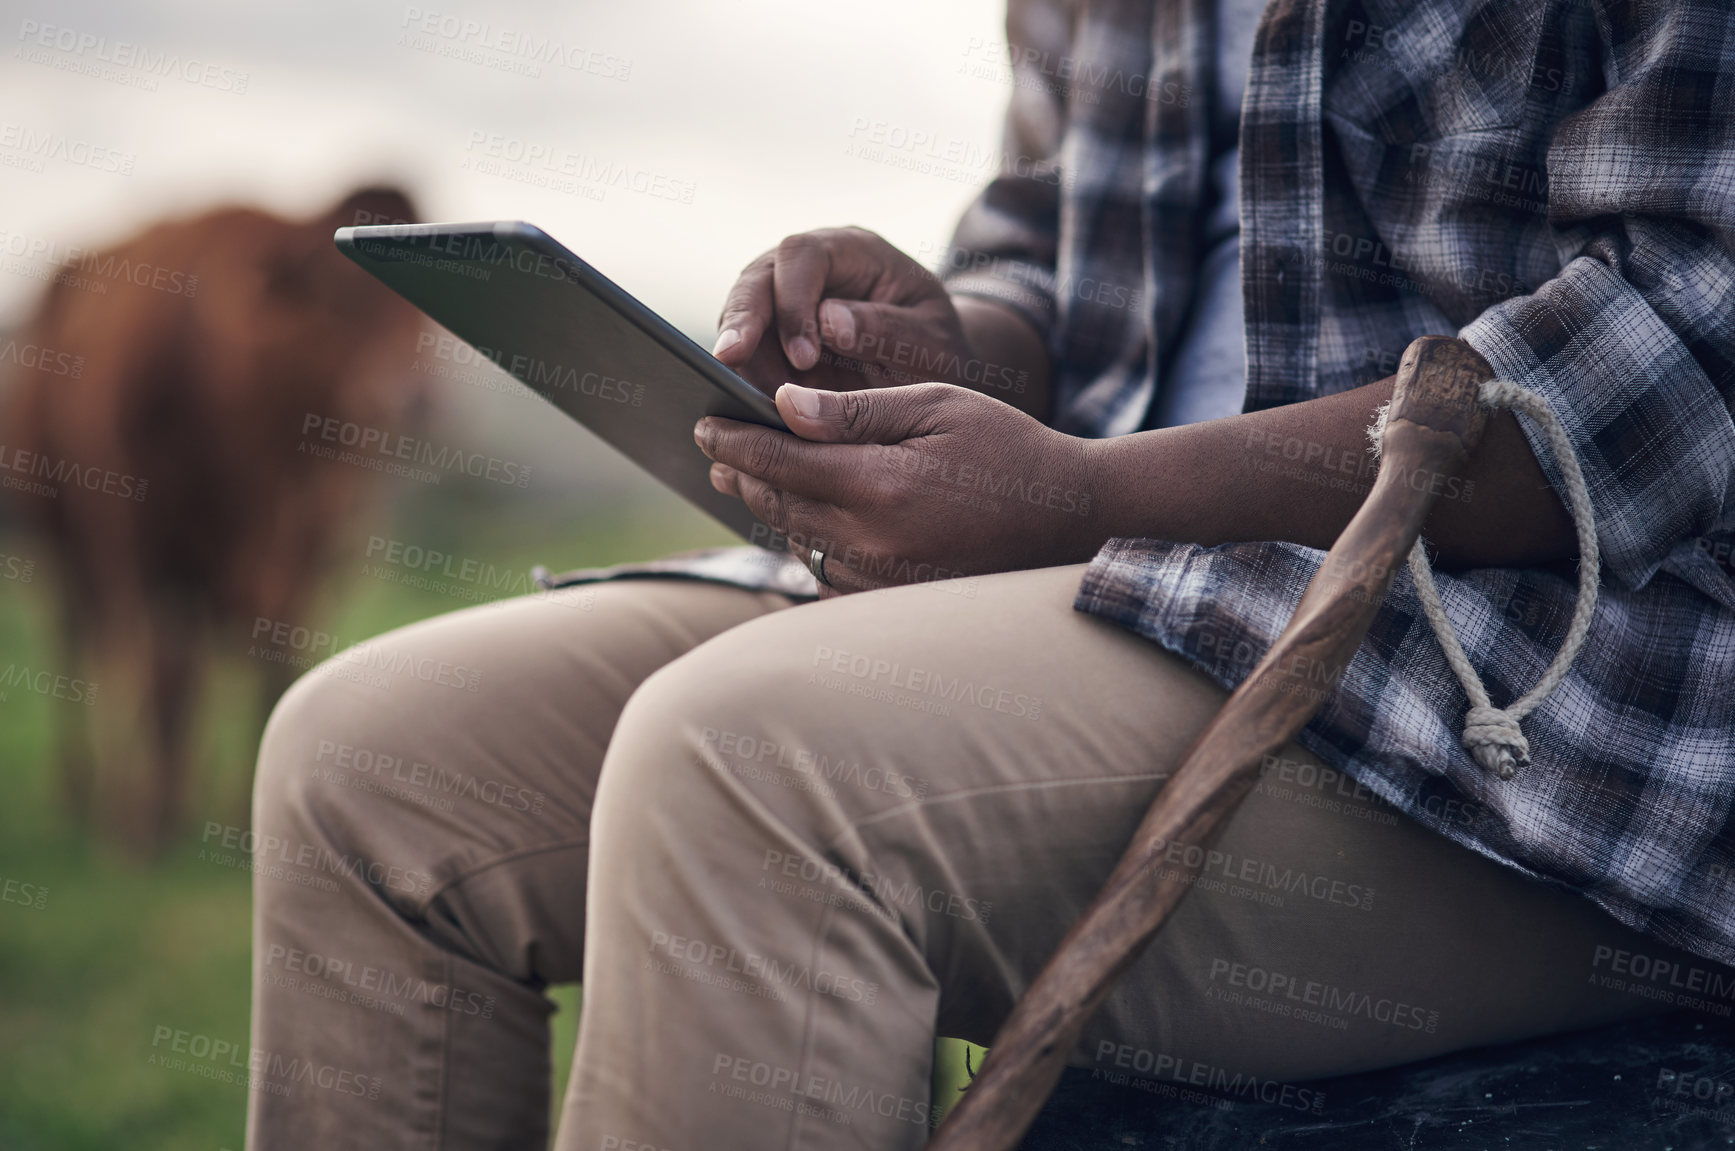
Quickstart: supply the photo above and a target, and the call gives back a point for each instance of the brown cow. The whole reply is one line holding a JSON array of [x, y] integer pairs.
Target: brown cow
[[161, 399]]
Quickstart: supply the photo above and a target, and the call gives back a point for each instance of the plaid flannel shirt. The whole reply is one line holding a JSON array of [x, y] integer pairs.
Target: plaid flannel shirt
[[1553, 180]]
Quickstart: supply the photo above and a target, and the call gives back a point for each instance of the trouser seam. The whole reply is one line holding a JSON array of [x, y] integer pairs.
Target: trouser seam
[[856, 825], [443, 1096], [445, 1061], [512, 856]]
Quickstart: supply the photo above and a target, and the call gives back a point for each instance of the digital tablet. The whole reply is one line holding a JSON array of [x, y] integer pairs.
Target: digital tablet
[[577, 339]]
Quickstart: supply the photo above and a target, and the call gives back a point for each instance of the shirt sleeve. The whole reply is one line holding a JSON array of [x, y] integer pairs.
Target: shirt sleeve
[[1005, 244], [1633, 342]]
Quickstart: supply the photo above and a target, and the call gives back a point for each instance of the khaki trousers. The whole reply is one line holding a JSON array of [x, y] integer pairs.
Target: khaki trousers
[[783, 847]]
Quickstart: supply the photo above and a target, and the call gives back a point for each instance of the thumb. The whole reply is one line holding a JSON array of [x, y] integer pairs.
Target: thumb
[[875, 416]]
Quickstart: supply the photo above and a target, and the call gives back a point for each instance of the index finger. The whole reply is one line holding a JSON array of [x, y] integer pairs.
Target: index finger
[[746, 312], [820, 471], [799, 272]]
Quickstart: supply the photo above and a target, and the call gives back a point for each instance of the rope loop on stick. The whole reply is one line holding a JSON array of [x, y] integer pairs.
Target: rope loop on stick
[[1492, 734]]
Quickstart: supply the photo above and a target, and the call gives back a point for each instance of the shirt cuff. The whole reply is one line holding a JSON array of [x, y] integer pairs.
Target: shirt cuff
[[1653, 436]]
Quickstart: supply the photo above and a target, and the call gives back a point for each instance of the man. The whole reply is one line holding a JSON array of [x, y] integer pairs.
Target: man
[[784, 844]]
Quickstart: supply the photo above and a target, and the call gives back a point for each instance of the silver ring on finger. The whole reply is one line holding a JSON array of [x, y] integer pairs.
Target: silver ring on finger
[[816, 565]]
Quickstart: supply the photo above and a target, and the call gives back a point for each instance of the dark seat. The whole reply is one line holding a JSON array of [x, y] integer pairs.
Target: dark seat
[[1660, 1084]]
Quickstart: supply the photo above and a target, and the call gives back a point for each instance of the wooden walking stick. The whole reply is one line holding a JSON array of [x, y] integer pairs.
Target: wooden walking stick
[[1432, 426]]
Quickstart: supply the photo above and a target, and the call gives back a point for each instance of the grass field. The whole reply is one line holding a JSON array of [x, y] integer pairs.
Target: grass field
[[116, 950]]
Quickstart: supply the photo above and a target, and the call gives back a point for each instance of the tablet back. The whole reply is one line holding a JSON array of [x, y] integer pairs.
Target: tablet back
[[577, 339]]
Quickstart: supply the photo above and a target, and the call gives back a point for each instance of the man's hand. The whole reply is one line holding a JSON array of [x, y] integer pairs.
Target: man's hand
[[907, 484], [842, 309]]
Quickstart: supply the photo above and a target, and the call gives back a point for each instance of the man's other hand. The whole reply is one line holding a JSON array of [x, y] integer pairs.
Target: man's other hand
[[905, 485], [842, 309]]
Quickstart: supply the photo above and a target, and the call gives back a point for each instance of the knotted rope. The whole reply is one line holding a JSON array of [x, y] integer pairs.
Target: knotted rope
[[1491, 733]]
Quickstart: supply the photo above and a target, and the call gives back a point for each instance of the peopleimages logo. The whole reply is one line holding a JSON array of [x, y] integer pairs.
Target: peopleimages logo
[[17, 568], [1286, 994], [38, 358], [804, 1093], [549, 165], [1686, 986], [31, 895], [746, 749], [87, 268], [64, 471], [393, 452], [122, 61], [295, 645], [1072, 73], [917, 682], [38, 147], [528, 48], [46, 683], [890, 892], [386, 768], [368, 986], [1163, 1066], [315, 863], [432, 561], [253, 1067], [532, 372], [765, 970]]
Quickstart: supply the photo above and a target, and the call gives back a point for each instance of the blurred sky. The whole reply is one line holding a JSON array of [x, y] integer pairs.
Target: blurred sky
[[693, 134]]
